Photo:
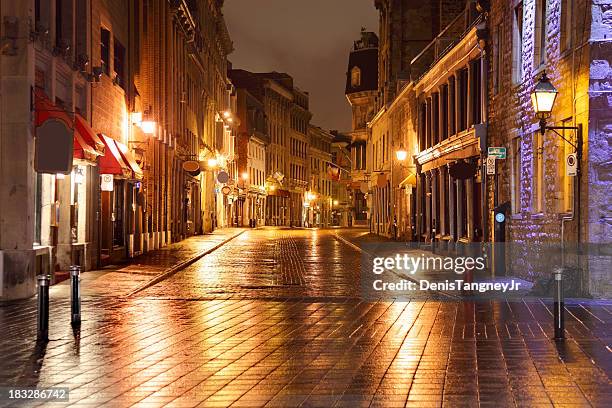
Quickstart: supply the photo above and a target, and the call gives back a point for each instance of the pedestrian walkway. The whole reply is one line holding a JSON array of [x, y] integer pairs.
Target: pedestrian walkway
[[274, 318], [120, 280]]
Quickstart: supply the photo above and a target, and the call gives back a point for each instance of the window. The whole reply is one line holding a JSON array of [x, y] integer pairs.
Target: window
[[567, 12], [517, 44], [59, 23], [497, 64], [119, 62], [566, 182], [105, 51], [516, 175], [537, 176], [539, 46], [355, 77]]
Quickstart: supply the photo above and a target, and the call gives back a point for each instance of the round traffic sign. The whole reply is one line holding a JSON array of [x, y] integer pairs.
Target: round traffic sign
[[500, 217], [222, 177]]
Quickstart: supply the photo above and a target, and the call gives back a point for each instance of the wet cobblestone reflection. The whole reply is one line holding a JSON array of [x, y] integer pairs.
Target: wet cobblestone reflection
[[273, 318]]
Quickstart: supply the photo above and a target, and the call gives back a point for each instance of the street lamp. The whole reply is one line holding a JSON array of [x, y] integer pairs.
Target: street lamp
[[401, 154], [543, 99]]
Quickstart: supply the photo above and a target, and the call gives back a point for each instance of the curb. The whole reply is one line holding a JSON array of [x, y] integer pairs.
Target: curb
[[180, 266], [359, 249]]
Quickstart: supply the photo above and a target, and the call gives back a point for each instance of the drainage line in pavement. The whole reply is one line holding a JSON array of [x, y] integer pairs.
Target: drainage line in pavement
[[179, 267], [359, 249]]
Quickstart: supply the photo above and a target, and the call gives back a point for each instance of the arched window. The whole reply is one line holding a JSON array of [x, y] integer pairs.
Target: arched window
[[355, 77]]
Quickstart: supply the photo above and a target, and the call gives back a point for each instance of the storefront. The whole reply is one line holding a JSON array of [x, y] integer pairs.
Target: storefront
[[121, 203], [65, 204]]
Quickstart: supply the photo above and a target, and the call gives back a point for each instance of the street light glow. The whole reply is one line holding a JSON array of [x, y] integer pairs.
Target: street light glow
[[212, 162], [148, 127], [401, 154]]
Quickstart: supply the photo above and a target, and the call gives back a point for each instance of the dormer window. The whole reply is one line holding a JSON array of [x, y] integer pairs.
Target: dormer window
[[355, 77]]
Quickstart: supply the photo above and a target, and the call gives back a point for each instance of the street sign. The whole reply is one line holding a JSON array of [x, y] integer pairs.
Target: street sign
[[571, 165], [106, 182], [490, 165], [500, 217], [497, 152]]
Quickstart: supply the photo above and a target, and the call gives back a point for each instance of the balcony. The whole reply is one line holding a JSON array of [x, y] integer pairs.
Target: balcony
[[443, 43]]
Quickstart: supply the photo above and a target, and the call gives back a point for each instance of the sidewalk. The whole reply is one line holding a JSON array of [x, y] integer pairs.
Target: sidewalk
[[121, 280]]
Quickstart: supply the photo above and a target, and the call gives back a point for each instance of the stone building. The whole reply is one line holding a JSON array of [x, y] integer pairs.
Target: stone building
[[251, 142], [287, 117], [319, 200], [543, 204], [407, 30], [339, 172], [361, 89], [139, 89]]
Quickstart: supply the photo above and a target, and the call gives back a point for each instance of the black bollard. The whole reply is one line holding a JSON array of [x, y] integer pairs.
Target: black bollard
[[43, 308], [559, 305], [75, 295]]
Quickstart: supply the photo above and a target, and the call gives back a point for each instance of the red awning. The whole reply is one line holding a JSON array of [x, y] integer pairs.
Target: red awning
[[129, 159], [87, 145], [112, 162], [45, 109]]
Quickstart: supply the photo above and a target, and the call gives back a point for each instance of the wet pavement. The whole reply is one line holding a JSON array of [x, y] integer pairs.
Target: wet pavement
[[274, 317]]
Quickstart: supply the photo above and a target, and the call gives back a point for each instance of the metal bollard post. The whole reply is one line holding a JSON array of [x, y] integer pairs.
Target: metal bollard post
[[43, 308], [559, 305], [75, 295]]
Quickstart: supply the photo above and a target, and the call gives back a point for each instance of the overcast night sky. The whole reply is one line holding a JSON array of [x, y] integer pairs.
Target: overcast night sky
[[310, 40]]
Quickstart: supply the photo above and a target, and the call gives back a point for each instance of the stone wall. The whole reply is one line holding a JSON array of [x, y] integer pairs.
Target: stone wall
[[511, 116]]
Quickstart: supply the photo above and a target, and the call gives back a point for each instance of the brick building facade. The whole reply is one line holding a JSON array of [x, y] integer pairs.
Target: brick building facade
[[142, 86]]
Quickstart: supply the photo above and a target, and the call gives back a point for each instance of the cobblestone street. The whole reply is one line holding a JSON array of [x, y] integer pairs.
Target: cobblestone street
[[273, 317]]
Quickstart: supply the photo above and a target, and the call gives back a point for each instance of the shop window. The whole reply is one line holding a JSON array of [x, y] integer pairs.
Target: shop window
[[517, 44], [118, 208], [105, 50]]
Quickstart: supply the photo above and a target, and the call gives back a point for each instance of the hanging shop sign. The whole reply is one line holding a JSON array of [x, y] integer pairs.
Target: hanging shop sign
[[53, 150], [192, 167], [226, 190], [222, 177], [106, 182], [571, 165]]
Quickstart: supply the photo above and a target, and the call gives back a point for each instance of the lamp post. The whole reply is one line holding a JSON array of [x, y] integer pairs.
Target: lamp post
[[543, 99]]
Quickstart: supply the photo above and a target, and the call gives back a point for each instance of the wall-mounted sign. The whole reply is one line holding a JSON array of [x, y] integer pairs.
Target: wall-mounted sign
[[490, 165], [222, 177], [498, 152], [500, 217], [106, 182], [571, 165]]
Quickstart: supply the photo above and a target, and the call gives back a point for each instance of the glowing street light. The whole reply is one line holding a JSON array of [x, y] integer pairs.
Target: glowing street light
[[401, 154], [245, 176], [212, 162], [148, 127]]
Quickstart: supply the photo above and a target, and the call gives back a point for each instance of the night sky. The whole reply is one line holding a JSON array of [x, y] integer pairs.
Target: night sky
[[308, 39]]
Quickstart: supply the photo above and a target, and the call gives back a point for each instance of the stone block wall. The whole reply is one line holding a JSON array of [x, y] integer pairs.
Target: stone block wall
[[511, 116]]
